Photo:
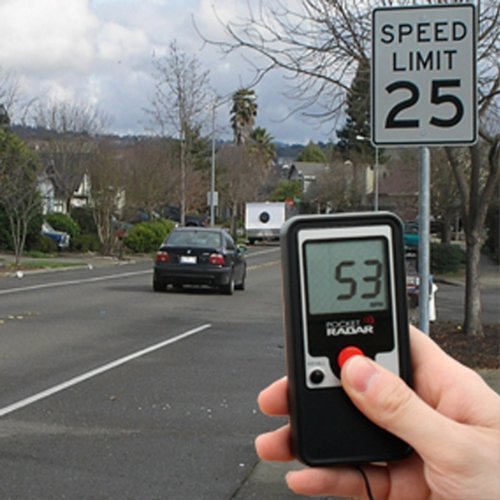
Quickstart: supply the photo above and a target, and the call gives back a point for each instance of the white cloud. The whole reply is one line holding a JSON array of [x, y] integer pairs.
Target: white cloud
[[46, 35], [101, 51]]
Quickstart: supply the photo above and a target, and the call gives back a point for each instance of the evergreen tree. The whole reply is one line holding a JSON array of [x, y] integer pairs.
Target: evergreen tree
[[354, 136], [312, 153]]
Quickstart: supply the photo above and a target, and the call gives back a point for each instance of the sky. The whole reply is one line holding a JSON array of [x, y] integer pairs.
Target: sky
[[100, 51]]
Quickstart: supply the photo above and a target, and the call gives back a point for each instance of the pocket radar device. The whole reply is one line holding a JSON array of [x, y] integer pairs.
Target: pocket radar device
[[344, 289]]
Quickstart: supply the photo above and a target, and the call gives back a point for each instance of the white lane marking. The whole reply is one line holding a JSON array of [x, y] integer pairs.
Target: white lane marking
[[73, 282], [264, 252], [265, 264], [97, 371], [98, 278]]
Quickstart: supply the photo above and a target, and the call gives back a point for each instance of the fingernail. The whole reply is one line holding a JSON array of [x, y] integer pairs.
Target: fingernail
[[360, 372]]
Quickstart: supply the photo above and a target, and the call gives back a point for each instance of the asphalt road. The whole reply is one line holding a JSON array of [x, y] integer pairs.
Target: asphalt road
[[110, 390], [450, 300]]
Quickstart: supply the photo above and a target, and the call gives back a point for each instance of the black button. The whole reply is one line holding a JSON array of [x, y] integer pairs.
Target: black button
[[316, 376]]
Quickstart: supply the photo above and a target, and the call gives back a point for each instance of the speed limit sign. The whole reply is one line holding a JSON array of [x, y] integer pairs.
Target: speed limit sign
[[423, 78]]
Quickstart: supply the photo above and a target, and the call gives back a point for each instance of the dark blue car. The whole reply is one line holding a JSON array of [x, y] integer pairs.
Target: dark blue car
[[200, 256]]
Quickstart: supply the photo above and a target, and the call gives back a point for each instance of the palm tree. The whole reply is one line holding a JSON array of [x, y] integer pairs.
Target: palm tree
[[243, 114], [262, 144]]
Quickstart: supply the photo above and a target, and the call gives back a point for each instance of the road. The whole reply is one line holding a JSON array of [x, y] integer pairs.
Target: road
[[450, 300], [110, 390]]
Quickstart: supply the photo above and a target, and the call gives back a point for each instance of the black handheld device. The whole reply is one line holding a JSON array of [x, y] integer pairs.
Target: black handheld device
[[344, 289]]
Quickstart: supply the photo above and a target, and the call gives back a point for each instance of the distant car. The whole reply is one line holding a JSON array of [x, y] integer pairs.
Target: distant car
[[411, 236], [190, 220], [60, 237], [200, 256], [412, 279], [413, 286]]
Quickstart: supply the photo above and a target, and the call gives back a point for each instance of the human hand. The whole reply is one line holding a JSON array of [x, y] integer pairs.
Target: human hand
[[451, 419]]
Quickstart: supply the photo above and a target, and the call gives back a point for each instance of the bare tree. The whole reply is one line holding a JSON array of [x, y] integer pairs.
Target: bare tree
[[337, 189], [107, 180], [477, 168], [70, 129], [477, 174], [19, 196], [152, 174], [445, 198], [319, 44], [180, 104], [238, 181], [9, 91]]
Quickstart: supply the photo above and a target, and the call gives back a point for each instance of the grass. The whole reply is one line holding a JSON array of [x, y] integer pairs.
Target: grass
[[45, 264], [34, 262]]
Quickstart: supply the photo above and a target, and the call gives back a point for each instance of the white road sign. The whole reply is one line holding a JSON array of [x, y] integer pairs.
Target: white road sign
[[424, 75]]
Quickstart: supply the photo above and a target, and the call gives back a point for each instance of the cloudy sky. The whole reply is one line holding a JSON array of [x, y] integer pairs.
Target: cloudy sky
[[101, 51]]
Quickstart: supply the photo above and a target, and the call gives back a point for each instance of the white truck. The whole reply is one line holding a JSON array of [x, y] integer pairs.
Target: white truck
[[263, 220]]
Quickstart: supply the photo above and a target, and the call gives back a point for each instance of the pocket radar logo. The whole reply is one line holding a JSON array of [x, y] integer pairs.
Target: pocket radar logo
[[365, 326]]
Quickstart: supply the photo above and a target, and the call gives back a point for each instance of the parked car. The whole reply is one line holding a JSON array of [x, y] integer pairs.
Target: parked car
[[413, 286], [190, 220], [411, 235], [60, 237], [200, 256]]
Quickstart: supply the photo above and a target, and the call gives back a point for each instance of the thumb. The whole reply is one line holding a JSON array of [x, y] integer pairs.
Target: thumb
[[387, 401]]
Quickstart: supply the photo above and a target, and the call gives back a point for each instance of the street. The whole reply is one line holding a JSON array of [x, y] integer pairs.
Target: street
[[110, 390], [88, 413]]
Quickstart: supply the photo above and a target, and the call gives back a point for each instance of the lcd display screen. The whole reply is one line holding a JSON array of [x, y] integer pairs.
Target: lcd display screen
[[346, 275]]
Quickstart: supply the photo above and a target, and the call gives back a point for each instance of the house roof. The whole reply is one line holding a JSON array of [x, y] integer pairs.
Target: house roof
[[307, 169]]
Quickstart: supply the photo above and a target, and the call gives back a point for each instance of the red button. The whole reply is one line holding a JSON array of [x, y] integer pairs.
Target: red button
[[348, 352]]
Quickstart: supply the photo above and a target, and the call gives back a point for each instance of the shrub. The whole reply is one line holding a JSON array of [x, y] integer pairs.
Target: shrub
[[45, 245], [146, 237], [446, 258], [85, 219], [63, 222], [88, 242]]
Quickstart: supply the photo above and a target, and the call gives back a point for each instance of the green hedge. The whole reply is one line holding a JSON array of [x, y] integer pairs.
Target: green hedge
[[45, 245], [84, 217], [146, 237], [63, 222], [446, 258], [88, 242]]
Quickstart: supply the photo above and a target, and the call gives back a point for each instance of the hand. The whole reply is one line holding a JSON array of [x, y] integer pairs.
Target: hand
[[451, 419]]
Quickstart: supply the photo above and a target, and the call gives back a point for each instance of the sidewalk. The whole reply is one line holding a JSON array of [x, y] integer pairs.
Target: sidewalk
[[489, 275]]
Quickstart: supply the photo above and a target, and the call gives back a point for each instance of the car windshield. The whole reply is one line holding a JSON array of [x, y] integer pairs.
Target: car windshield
[[195, 238]]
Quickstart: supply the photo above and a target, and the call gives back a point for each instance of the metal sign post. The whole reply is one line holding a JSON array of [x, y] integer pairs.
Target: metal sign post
[[423, 92], [424, 257]]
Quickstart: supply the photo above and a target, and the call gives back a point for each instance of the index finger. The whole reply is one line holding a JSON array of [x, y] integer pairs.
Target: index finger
[[273, 400]]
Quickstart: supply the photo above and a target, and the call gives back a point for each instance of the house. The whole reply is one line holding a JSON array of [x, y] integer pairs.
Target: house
[[397, 179], [54, 202], [330, 187], [306, 172]]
